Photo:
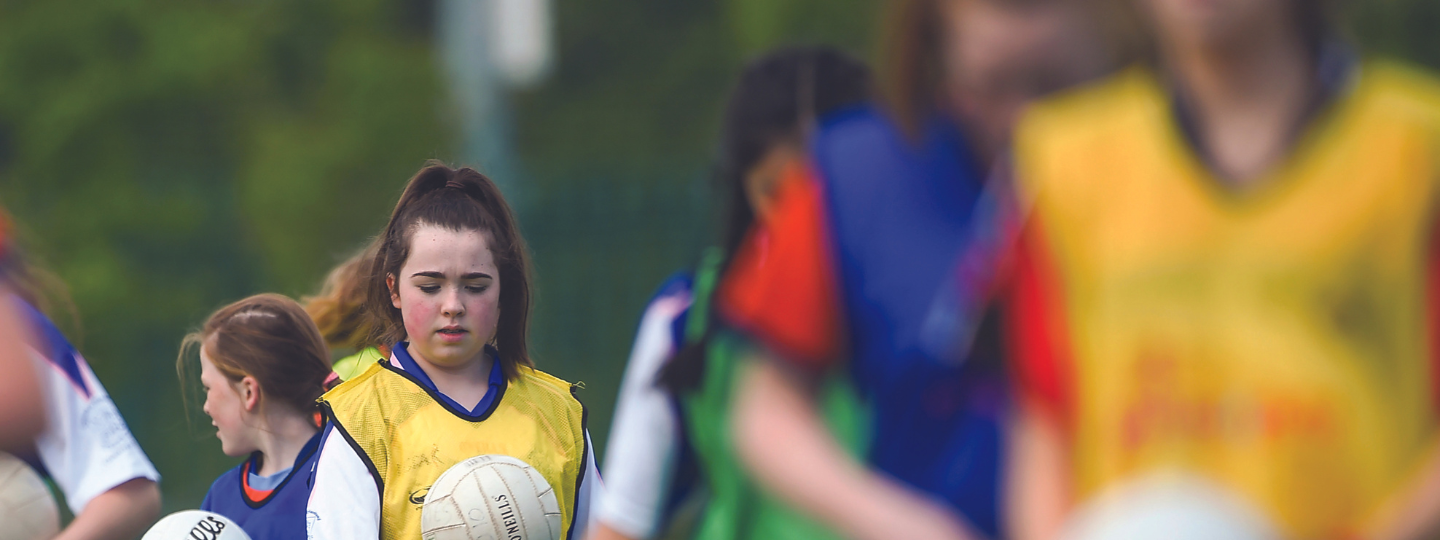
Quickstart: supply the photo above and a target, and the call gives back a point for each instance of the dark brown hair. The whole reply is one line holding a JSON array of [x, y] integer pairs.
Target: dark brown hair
[[339, 310], [268, 337], [912, 55], [458, 200], [910, 60], [776, 100], [1317, 22]]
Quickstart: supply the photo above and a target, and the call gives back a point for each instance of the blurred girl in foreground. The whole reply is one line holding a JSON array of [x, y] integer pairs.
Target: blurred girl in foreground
[[853, 274], [672, 411], [1229, 283], [85, 447]]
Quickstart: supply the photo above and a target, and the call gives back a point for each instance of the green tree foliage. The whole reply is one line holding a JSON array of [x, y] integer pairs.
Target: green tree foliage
[[166, 157]]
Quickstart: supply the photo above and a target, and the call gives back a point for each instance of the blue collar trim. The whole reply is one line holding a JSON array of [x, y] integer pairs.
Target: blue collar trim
[[497, 380]]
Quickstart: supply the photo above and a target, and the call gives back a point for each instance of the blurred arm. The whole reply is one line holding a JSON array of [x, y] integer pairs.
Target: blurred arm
[[1038, 494], [590, 488], [601, 531], [345, 499], [640, 459], [123, 512], [781, 438], [22, 414], [1037, 490], [1415, 513]]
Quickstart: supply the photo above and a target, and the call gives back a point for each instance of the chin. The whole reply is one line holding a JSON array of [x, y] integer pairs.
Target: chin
[[232, 452], [456, 354]]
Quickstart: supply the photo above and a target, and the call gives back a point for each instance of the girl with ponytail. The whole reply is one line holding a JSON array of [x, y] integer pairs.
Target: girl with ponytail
[[262, 365], [449, 291]]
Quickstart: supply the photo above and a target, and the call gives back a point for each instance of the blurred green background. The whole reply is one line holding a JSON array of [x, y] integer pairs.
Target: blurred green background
[[165, 157]]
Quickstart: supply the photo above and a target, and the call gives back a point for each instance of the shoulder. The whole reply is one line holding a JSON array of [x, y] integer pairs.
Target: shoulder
[[545, 382], [1110, 121], [367, 382], [678, 284], [224, 490], [350, 366], [55, 349], [1111, 105], [370, 397], [1400, 92], [853, 126], [864, 143]]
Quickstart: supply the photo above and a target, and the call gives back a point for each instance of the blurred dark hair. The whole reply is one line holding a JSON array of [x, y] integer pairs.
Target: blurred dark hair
[[777, 99], [773, 102], [268, 337], [912, 55], [1317, 20], [459, 200], [911, 59]]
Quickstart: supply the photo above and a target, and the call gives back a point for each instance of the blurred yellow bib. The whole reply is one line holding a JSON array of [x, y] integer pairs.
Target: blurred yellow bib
[[1275, 340]]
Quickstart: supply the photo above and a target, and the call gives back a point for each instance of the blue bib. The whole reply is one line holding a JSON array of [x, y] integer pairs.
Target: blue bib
[[279, 515], [900, 209]]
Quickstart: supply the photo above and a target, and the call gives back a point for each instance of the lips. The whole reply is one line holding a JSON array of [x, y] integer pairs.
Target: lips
[[452, 334]]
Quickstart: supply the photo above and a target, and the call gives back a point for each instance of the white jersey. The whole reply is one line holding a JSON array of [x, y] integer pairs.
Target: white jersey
[[345, 500], [644, 445], [86, 447]]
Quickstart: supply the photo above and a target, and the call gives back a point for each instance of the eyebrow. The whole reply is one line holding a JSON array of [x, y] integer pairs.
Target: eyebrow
[[438, 275]]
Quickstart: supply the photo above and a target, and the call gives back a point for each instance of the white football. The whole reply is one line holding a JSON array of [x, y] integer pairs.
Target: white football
[[195, 525], [26, 507], [1169, 507], [491, 497]]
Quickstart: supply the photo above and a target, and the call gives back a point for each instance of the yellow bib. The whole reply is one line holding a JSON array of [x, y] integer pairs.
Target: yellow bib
[[1273, 340], [408, 438]]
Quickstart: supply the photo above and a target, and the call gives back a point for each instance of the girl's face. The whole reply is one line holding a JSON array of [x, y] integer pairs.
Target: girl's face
[[762, 181], [1217, 25], [1000, 54], [448, 294], [226, 406]]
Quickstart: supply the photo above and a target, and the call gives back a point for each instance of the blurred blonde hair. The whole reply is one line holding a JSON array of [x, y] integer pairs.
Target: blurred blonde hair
[[339, 308]]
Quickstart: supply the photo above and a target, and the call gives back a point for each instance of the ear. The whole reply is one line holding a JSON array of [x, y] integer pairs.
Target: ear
[[394, 294], [249, 390]]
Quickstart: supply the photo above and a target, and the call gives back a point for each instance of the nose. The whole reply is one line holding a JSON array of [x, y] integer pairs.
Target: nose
[[451, 305]]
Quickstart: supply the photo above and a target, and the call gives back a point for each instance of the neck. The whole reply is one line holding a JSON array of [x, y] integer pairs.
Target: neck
[[466, 383], [1247, 101], [985, 120], [281, 439]]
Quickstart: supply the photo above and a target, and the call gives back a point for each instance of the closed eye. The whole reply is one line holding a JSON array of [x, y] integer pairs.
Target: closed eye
[[429, 289]]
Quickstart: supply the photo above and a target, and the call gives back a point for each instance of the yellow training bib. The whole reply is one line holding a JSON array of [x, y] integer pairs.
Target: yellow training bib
[[408, 437]]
